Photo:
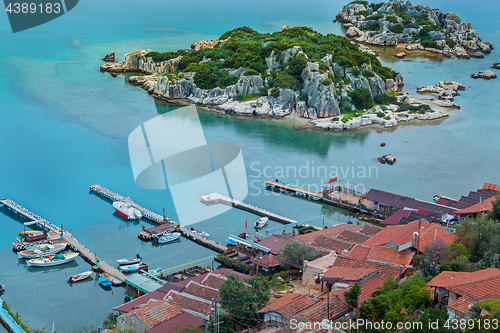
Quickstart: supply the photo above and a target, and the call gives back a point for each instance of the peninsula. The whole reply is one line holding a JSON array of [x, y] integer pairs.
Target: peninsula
[[324, 78]]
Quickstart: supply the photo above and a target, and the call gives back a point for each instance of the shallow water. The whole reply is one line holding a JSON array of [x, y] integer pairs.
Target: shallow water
[[65, 125]]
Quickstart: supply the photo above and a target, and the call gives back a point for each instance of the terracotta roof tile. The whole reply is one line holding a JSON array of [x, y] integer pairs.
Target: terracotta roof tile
[[360, 252], [347, 273], [190, 303], [462, 304], [332, 232], [276, 242], [318, 311], [267, 261], [368, 287], [479, 291], [384, 270], [213, 280], [202, 291], [177, 323], [447, 278], [290, 304], [353, 236], [334, 244], [403, 234], [488, 186], [156, 312], [370, 230], [482, 206], [385, 254]]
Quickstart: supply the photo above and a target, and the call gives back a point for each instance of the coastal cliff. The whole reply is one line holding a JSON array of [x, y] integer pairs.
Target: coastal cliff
[[393, 22], [326, 79]]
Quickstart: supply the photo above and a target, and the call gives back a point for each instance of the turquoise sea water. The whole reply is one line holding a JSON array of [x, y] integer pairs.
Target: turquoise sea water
[[64, 125]]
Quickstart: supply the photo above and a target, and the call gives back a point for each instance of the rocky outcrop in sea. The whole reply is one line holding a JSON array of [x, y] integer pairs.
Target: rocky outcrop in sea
[[426, 29], [445, 91], [487, 74]]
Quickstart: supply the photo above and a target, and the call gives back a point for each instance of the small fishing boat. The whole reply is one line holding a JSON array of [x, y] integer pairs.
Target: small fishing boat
[[80, 277], [2, 288], [125, 209], [41, 249], [200, 233], [132, 268], [261, 223], [129, 261], [105, 282], [51, 260], [167, 238]]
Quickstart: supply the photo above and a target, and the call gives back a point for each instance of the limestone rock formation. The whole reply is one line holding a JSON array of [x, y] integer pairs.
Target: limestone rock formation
[[389, 159], [109, 57], [113, 67], [132, 60], [487, 74], [496, 65], [445, 90]]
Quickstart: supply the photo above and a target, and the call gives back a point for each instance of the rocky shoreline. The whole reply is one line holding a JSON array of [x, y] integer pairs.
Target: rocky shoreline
[[423, 28], [320, 108]]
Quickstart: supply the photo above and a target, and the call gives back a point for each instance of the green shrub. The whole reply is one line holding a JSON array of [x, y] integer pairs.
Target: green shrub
[[374, 17], [373, 27], [397, 29], [368, 74], [327, 82], [376, 6], [363, 12], [208, 78], [323, 67], [356, 71], [345, 106], [360, 2], [430, 43], [414, 108], [335, 119], [392, 19], [275, 92], [361, 98], [250, 72], [450, 42], [345, 119], [384, 99], [297, 65], [304, 96], [287, 81], [387, 118], [380, 114]]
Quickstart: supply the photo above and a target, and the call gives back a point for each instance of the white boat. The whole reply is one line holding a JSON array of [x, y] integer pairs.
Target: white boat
[[167, 238], [53, 260], [129, 261], [132, 268], [125, 209], [200, 233], [80, 277], [41, 249], [261, 223]]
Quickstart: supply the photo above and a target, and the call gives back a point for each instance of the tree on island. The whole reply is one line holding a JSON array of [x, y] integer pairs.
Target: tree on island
[[239, 302], [294, 254], [494, 213]]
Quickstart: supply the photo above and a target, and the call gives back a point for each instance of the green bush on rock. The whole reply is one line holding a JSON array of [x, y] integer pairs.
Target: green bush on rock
[[361, 98]]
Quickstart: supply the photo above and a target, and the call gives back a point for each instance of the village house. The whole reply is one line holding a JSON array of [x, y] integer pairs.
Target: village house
[[459, 291]]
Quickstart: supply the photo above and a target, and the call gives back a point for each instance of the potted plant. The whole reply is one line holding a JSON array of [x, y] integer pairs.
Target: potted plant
[[97, 261]]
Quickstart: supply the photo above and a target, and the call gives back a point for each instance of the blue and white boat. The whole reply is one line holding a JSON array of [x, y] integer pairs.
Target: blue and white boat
[[132, 268], [167, 238], [105, 282]]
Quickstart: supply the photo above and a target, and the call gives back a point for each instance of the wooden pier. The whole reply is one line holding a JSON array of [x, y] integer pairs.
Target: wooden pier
[[117, 276], [164, 226], [216, 198], [288, 188]]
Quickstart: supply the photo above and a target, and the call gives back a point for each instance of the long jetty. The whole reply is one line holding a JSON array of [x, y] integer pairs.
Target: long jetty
[[117, 277], [216, 198], [158, 219]]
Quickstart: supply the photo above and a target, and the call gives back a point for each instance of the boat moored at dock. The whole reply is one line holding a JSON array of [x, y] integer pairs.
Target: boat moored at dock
[[41, 249], [126, 210], [167, 238], [134, 267], [129, 261], [105, 282], [58, 259], [80, 277], [261, 223]]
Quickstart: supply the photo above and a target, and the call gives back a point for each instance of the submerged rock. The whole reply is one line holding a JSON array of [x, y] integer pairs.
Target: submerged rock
[[487, 74], [114, 67], [496, 65]]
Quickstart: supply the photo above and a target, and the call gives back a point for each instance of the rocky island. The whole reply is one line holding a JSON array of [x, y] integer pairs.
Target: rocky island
[[324, 78], [422, 28]]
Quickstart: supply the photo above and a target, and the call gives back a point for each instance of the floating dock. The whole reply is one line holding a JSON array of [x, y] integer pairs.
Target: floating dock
[[164, 226], [216, 198], [290, 189], [85, 253]]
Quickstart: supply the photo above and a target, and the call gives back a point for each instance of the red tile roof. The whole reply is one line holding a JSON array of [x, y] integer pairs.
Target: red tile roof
[[347, 273], [201, 291], [136, 303], [332, 232], [195, 305], [462, 304], [156, 312], [276, 242], [384, 270], [360, 252], [221, 271], [213, 280], [370, 230], [482, 206], [177, 323], [396, 217], [290, 304], [403, 234], [267, 261], [480, 285], [333, 244], [354, 237], [394, 256], [318, 311], [488, 186], [369, 286]]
